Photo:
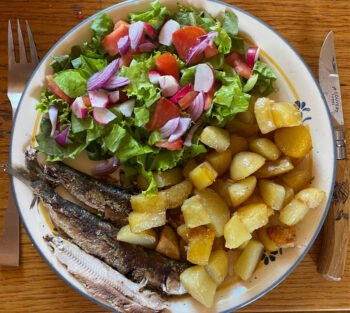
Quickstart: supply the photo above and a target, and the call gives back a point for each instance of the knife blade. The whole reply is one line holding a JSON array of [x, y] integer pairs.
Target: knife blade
[[332, 257]]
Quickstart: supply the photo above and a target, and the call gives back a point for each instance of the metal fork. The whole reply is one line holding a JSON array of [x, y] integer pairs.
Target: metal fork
[[18, 75]]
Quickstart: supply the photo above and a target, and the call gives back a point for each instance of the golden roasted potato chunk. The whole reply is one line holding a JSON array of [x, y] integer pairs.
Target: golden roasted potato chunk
[[248, 116], [294, 141], [203, 175], [217, 266], [220, 160], [195, 214], [190, 165], [282, 236], [248, 259], [221, 187], [265, 147], [168, 178], [289, 196], [177, 194], [274, 168], [183, 232], [285, 114], [254, 216], [238, 144], [217, 209], [272, 193], [147, 238], [242, 129], [266, 240], [140, 221], [199, 285], [242, 190], [244, 164], [235, 233], [293, 212], [263, 114], [312, 197], [200, 243], [296, 179], [216, 138], [168, 243], [142, 203]]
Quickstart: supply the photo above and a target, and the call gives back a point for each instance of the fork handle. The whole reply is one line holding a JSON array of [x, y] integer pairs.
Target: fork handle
[[9, 243]]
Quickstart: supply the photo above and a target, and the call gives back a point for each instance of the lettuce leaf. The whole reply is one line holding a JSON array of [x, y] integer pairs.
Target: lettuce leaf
[[71, 82], [230, 24], [47, 99], [265, 81]]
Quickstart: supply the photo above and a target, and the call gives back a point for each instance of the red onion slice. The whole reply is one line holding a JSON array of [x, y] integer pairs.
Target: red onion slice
[[124, 45], [149, 30], [169, 127], [181, 93], [188, 139], [106, 167], [184, 122], [62, 137], [202, 42], [53, 113], [197, 107], [135, 34], [115, 82], [252, 56], [78, 107], [147, 46], [100, 78]]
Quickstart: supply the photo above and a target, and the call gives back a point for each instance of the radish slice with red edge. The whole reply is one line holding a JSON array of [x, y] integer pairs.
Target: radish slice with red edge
[[188, 139], [166, 33], [113, 96], [154, 77], [103, 116], [205, 78], [53, 113], [135, 34], [252, 56], [169, 127], [99, 98], [78, 107], [100, 78], [126, 108], [62, 137], [181, 93], [202, 43], [197, 107], [106, 167], [149, 30], [115, 82], [169, 85], [124, 45], [147, 46], [184, 122]]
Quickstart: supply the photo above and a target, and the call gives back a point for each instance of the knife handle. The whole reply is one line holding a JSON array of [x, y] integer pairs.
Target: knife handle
[[332, 257]]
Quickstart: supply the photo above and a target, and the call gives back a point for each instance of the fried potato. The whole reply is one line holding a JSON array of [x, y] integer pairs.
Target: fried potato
[[235, 233], [242, 129], [216, 138], [265, 147], [221, 187], [168, 178], [190, 165], [311, 197], [282, 236], [168, 243], [285, 114], [183, 232], [141, 203], [203, 175], [263, 114], [254, 216], [296, 179], [217, 266], [293, 212], [147, 238], [272, 193], [177, 194], [242, 190], [195, 214], [220, 160], [140, 221], [268, 243], [275, 168], [244, 164], [238, 144]]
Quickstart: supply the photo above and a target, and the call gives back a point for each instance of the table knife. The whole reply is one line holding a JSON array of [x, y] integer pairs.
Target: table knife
[[332, 258]]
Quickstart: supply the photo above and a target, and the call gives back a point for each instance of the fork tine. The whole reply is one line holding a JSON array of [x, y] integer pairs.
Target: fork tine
[[22, 49], [11, 50], [33, 53]]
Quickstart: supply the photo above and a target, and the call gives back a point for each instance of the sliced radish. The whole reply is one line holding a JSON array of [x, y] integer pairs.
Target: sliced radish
[[99, 98], [147, 46], [127, 107], [154, 77], [53, 113], [62, 137], [169, 85], [166, 33], [149, 30], [124, 44], [204, 79], [78, 107], [170, 127], [184, 122], [202, 43], [252, 56], [103, 116], [113, 96], [197, 107], [135, 34], [181, 93]]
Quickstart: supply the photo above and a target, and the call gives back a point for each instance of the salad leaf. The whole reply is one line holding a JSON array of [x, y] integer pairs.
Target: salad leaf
[[188, 75], [101, 26], [141, 116], [155, 137], [47, 99], [230, 24], [266, 78], [89, 66], [251, 82], [61, 62], [71, 82], [80, 125], [223, 40]]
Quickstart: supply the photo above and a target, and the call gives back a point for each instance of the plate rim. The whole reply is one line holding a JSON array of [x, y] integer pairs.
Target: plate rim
[[296, 263]]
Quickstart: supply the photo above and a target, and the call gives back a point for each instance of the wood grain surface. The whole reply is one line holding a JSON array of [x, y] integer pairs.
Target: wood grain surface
[[34, 287]]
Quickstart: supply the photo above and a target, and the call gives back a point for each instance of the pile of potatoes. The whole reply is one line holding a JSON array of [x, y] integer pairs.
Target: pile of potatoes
[[246, 193]]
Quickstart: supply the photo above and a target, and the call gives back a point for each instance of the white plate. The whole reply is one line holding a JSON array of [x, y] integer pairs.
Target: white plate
[[295, 82]]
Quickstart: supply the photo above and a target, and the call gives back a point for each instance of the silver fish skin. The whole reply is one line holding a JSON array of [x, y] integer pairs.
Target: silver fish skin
[[102, 281]]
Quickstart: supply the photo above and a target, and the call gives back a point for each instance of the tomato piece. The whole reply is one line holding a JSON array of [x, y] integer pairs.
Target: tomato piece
[[236, 60], [57, 90], [110, 42], [174, 145], [165, 110], [184, 39], [210, 95], [211, 51], [126, 59], [188, 99], [167, 65], [120, 22], [87, 101]]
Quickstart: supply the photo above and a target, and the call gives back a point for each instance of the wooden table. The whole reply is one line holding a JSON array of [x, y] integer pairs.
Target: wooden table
[[33, 287]]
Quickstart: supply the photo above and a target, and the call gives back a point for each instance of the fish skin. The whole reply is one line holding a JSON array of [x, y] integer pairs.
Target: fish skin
[[102, 281]]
